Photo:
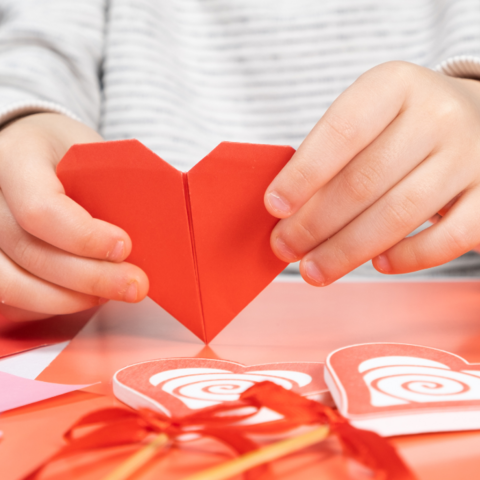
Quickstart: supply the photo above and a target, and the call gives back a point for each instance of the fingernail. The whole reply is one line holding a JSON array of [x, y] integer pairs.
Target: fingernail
[[285, 252], [132, 292], [102, 301], [117, 252], [314, 273], [278, 203], [382, 263]]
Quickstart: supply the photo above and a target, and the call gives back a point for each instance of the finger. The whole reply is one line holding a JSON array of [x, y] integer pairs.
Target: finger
[[374, 171], [115, 281], [455, 234], [352, 122], [407, 206], [20, 289], [37, 200], [19, 315]]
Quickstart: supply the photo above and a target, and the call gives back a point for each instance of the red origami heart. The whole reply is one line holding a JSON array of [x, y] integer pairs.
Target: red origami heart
[[202, 237], [179, 386], [396, 389]]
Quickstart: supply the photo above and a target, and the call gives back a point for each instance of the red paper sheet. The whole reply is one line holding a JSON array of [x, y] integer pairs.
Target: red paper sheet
[[203, 237], [16, 337]]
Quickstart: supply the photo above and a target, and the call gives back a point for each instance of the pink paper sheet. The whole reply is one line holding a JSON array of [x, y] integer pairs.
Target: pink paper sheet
[[18, 391]]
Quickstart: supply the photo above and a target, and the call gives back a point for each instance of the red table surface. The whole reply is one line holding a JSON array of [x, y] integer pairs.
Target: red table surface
[[287, 322]]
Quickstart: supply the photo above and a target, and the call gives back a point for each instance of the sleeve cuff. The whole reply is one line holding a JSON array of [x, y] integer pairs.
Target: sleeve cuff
[[463, 66], [22, 108]]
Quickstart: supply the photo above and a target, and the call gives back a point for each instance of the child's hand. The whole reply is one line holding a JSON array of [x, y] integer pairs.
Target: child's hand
[[394, 149], [54, 257]]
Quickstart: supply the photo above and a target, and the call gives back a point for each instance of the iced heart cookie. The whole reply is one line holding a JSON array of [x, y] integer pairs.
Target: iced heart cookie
[[396, 389]]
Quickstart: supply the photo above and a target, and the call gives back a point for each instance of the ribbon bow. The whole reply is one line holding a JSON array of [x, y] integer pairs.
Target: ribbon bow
[[224, 422]]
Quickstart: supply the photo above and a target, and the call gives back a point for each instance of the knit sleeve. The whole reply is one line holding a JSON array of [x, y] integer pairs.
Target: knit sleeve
[[50, 58], [463, 66]]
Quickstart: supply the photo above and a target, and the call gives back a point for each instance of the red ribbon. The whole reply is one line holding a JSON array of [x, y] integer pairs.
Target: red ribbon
[[119, 426]]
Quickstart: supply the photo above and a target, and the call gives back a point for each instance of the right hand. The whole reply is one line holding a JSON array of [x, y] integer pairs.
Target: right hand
[[54, 257]]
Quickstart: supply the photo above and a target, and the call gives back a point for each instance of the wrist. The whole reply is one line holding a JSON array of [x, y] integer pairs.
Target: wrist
[[54, 132]]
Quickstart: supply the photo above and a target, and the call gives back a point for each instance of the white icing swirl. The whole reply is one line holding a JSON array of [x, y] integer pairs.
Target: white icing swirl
[[204, 387], [397, 381]]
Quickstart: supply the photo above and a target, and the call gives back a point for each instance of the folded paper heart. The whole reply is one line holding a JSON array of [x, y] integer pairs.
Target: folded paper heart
[[397, 389], [202, 237], [182, 386]]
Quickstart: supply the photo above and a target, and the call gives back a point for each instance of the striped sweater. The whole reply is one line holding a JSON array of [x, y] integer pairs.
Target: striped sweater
[[183, 75]]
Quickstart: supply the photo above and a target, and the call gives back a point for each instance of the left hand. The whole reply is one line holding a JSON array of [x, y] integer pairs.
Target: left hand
[[399, 145]]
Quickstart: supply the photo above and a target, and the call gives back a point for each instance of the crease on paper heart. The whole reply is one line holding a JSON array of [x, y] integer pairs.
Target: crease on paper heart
[[186, 191]]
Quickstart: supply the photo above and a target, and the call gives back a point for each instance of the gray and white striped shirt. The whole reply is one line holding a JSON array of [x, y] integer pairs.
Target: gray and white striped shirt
[[183, 75]]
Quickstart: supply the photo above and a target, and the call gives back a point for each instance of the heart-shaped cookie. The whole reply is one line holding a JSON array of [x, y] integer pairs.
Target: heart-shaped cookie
[[396, 389], [202, 237], [179, 386]]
